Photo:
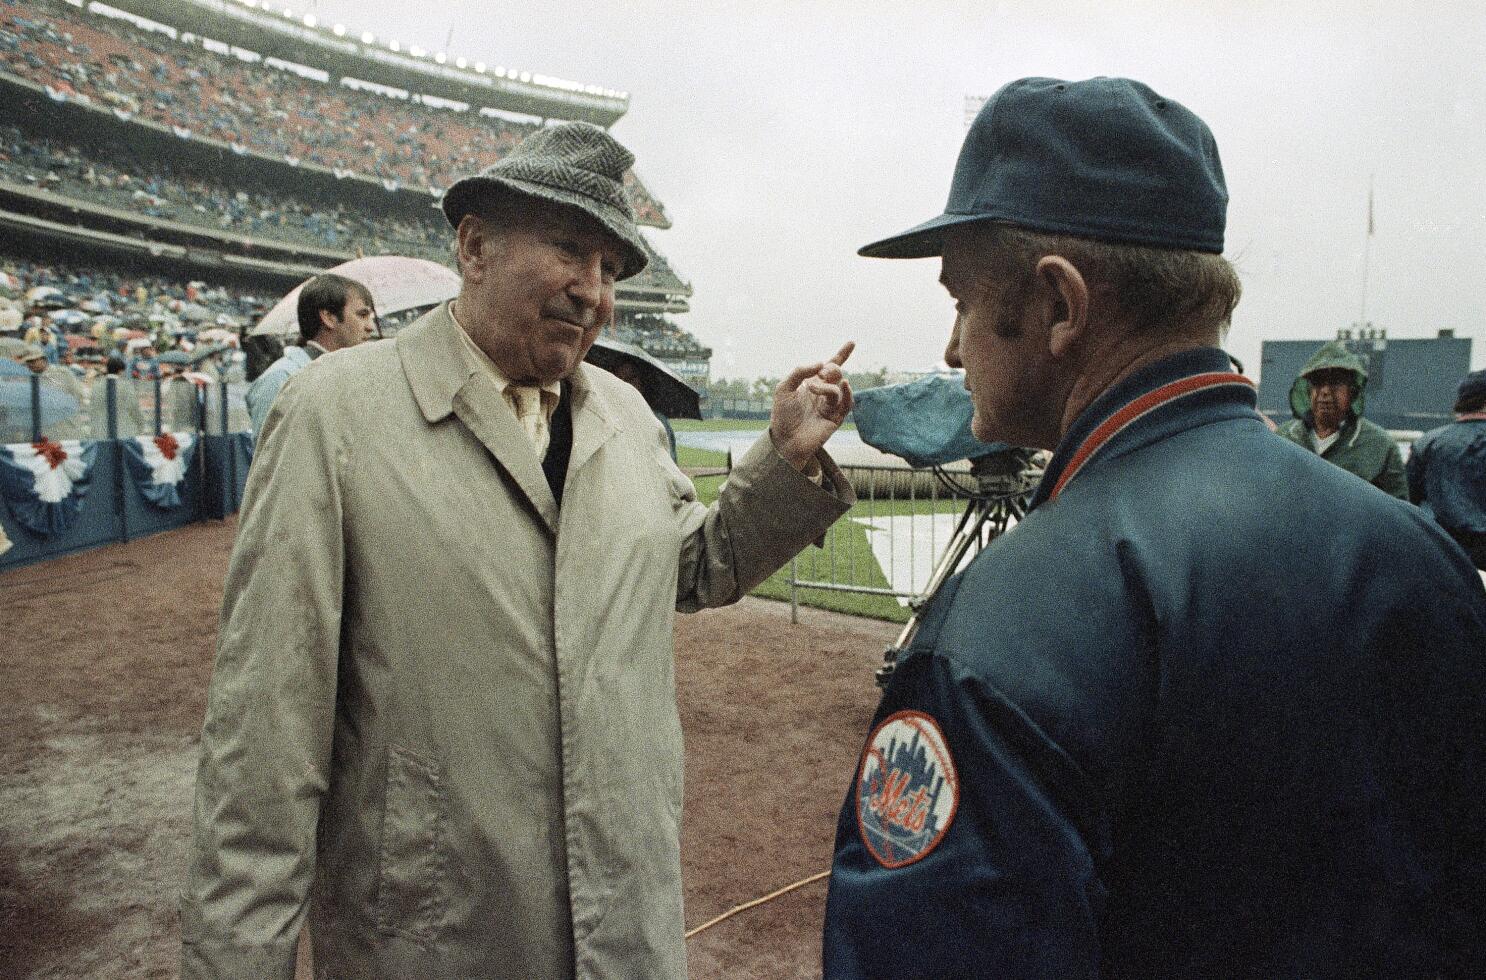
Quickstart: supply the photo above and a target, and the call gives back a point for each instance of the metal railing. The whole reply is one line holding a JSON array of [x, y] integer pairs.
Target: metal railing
[[56, 405], [893, 540]]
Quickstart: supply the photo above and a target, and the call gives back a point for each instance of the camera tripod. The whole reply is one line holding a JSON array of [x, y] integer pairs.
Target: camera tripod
[[1003, 483]]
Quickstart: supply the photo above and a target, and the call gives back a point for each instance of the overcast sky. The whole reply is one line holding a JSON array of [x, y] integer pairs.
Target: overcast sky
[[783, 136]]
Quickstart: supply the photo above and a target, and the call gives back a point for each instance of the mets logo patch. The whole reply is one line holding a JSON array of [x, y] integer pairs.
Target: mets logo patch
[[907, 789]]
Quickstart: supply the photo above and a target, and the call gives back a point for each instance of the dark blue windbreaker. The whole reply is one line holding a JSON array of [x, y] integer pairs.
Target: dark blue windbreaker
[[1215, 709], [1447, 475]]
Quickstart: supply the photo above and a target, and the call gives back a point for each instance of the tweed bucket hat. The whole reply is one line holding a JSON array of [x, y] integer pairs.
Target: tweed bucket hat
[[574, 164]]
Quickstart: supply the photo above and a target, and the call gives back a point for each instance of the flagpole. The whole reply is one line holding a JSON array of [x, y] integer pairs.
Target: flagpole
[[1366, 253]]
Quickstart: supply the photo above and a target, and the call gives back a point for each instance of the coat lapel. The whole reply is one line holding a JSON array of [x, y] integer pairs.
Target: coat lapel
[[445, 383], [593, 419]]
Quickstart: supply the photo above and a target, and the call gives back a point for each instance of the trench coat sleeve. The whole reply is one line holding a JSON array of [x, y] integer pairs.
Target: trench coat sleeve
[[266, 742], [765, 514]]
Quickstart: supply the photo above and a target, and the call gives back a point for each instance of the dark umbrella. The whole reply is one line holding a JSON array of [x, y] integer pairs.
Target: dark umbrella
[[663, 388]]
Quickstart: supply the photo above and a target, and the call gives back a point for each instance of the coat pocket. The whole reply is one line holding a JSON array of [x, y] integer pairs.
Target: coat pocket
[[411, 895]]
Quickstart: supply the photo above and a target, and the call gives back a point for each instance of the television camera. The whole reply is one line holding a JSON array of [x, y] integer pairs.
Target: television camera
[[927, 423]]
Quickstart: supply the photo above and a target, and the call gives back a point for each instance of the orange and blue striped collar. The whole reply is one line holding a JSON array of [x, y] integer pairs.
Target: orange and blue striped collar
[[1129, 411]]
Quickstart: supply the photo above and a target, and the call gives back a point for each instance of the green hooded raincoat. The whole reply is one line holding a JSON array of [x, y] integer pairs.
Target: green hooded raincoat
[[1363, 448]]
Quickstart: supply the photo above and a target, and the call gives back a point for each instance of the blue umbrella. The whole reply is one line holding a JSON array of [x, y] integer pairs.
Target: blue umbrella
[[15, 403]]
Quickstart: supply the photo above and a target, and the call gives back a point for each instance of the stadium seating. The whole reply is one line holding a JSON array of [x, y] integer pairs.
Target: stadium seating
[[82, 283], [117, 177], [150, 76], [106, 69]]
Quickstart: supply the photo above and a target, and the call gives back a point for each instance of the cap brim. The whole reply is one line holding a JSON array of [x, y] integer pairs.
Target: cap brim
[[923, 241]]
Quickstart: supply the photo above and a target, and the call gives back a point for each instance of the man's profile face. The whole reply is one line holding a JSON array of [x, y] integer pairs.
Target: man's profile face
[[542, 289], [1004, 367], [357, 322], [37, 365], [1331, 396]]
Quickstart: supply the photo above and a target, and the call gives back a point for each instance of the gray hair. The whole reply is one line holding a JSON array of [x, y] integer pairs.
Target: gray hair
[[1159, 289]]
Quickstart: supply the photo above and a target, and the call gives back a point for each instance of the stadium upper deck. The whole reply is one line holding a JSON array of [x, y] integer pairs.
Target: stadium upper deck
[[253, 107], [121, 144], [254, 26], [111, 185]]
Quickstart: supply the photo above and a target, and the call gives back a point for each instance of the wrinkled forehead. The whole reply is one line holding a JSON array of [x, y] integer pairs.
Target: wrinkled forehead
[[571, 223]]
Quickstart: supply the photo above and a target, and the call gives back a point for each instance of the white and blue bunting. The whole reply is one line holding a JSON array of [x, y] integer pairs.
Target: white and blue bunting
[[159, 464], [44, 482]]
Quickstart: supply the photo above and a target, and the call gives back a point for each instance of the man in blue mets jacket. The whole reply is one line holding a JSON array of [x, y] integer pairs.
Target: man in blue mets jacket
[[1214, 708]]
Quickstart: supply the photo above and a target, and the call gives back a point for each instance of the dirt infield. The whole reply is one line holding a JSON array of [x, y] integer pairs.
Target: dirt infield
[[100, 713]]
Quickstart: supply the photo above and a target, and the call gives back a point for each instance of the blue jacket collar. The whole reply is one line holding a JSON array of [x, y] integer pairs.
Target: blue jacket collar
[[1167, 396]]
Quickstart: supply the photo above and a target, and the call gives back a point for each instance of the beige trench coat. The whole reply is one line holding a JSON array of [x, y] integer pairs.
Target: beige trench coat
[[443, 713]]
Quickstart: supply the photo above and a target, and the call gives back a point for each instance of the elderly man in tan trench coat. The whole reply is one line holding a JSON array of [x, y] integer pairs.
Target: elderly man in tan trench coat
[[442, 721]]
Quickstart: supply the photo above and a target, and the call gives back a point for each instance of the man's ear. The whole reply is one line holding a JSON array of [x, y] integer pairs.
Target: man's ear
[[470, 241], [328, 320], [1068, 295]]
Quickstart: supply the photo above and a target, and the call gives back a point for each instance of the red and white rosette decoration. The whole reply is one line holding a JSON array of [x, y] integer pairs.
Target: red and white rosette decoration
[[44, 482], [159, 465]]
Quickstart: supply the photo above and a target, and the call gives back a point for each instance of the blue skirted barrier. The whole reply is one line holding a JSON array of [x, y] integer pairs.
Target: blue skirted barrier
[[59, 496]]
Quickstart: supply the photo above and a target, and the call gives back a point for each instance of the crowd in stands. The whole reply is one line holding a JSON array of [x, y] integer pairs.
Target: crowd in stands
[[141, 74], [84, 319], [658, 335], [124, 179], [81, 317], [74, 328], [657, 275], [118, 177]]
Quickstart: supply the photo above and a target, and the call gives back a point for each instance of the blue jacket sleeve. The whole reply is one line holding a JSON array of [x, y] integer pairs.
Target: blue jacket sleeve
[[261, 394]]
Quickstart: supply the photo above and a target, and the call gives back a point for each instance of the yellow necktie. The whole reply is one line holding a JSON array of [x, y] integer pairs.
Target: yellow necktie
[[528, 402]]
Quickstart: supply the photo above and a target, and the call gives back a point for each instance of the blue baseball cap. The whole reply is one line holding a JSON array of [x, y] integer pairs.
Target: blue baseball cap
[[1106, 158]]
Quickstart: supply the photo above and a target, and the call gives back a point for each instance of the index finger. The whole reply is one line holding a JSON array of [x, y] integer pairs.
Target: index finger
[[844, 352]]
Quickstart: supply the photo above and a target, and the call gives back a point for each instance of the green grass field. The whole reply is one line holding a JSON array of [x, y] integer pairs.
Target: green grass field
[[689, 458]]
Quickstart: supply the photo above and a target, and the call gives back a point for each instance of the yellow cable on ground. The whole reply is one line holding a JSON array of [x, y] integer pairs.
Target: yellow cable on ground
[[757, 901]]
